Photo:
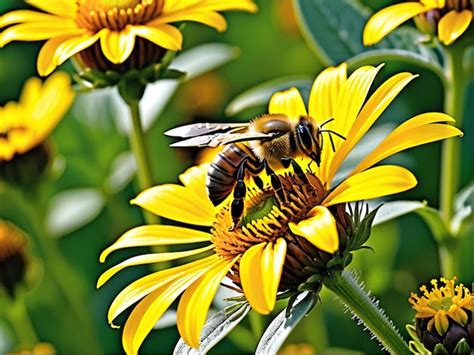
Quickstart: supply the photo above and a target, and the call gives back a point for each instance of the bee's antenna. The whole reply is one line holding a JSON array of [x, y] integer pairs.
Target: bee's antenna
[[326, 122], [332, 132], [332, 143]]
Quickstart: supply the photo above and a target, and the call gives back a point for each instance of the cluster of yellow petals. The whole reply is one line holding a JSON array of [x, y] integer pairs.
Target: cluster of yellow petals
[[443, 302], [71, 26], [450, 27], [28, 123]]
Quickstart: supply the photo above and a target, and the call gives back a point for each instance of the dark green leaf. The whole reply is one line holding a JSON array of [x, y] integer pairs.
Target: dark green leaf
[[281, 326], [216, 328], [462, 347]]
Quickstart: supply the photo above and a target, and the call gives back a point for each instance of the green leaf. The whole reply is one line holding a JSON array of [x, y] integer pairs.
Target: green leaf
[[261, 94], [216, 328], [281, 326], [462, 347], [395, 209], [334, 30], [434, 221]]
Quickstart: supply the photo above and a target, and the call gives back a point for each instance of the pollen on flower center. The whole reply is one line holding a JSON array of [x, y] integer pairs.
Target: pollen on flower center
[[266, 219], [116, 14]]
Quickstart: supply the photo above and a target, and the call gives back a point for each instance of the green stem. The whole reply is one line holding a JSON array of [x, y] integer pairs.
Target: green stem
[[21, 323], [64, 276], [138, 145], [454, 104], [364, 307]]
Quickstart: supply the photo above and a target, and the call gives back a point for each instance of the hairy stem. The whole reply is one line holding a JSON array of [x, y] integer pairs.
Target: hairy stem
[[344, 286]]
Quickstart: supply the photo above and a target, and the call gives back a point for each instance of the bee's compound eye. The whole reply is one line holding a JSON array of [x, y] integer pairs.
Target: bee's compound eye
[[305, 137]]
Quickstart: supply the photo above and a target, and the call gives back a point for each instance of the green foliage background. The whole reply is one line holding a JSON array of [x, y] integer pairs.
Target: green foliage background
[[405, 254]]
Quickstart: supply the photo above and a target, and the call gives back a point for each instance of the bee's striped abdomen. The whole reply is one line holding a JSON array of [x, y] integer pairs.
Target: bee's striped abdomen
[[223, 170]]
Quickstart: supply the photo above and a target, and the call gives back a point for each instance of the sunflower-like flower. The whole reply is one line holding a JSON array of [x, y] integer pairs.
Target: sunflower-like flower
[[449, 19], [26, 125], [444, 315], [279, 245], [104, 33]]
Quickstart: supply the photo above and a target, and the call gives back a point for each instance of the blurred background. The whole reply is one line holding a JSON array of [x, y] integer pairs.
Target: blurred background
[[92, 182]]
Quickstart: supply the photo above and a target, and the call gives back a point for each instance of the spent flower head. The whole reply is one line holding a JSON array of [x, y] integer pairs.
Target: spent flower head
[[116, 35], [284, 244], [446, 19]]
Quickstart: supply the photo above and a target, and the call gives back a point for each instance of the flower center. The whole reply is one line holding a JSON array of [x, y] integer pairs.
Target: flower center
[[266, 219], [115, 15]]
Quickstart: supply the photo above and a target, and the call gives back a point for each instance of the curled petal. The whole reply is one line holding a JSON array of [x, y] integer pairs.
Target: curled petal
[[453, 25], [319, 228]]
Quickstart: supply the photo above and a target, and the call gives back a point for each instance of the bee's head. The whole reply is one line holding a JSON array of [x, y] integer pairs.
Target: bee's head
[[308, 138]]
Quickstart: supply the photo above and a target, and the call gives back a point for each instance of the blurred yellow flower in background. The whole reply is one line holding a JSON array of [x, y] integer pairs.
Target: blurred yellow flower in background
[[278, 245], [26, 124], [443, 314], [449, 19], [72, 26]]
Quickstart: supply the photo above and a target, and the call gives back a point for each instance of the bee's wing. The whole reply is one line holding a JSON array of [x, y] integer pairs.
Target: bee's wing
[[204, 129], [214, 140]]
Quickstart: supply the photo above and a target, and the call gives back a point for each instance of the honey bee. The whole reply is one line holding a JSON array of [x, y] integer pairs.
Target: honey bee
[[267, 142]]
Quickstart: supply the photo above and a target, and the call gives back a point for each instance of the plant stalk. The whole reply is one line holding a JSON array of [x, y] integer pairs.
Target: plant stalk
[[454, 104], [138, 145], [363, 306], [20, 321]]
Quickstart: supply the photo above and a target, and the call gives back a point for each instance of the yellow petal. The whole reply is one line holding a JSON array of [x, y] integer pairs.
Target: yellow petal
[[251, 278], [195, 179], [38, 31], [376, 182], [64, 8], [371, 111], [273, 260], [155, 235], [46, 58], [196, 301], [147, 284], [325, 92], [209, 18], [434, 4], [319, 228], [453, 25], [75, 45], [31, 92], [350, 101], [21, 16], [414, 132], [147, 312], [389, 18], [117, 46], [165, 36], [148, 259], [177, 203], [441, 322], [289, 103]]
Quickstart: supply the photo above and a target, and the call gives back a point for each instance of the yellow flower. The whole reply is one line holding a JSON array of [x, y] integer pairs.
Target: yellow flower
[[72, 26], [26, 124], [443, 314], [450, 19], [278, 245]]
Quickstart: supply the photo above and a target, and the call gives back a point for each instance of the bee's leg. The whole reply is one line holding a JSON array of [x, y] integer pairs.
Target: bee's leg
[[296, 168], [276, 184], [240, 190]]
